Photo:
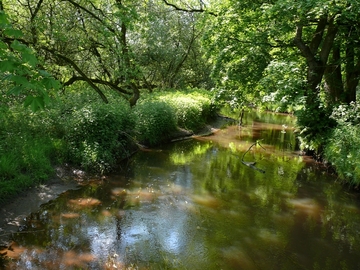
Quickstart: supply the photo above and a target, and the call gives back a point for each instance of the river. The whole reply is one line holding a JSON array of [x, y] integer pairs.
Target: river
[[194, 204]]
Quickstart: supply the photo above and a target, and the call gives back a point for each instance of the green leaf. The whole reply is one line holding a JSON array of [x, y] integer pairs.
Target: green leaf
[[15, 90], [50, 83], [29, 58], [7, 66], [13, 33], [3, 19], [16, 45], [28, 101], [3, 45], [17, 79], [44, 73], [35, 103]]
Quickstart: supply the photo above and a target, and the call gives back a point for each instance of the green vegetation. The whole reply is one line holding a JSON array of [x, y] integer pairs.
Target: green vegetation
[[91, 75], [83, 131], [342, 149]]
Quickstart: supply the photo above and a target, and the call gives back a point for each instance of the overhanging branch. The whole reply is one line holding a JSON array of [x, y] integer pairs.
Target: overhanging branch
[[74, 79], [78, 69], [191, 10]]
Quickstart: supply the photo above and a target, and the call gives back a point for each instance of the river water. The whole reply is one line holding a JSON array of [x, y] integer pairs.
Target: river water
[[194, 205]]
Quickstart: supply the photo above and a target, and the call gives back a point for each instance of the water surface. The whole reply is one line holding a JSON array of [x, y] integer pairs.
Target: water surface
[[195, 205]]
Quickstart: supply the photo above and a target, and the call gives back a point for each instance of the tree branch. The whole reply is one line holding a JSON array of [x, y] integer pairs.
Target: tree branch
[[192, 10], [74, 79], [78, 69], [328, 41], [318, 35]]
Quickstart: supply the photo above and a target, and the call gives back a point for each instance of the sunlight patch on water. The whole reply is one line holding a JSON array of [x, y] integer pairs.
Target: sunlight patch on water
[[207, 200], [306, 206], [84, 202], [69, 215]]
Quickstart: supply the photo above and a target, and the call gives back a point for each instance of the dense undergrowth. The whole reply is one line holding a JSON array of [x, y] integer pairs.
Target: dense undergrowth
[[80, 130], [342, 148]]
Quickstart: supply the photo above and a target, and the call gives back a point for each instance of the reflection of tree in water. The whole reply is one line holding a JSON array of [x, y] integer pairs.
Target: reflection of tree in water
[[204, 208]]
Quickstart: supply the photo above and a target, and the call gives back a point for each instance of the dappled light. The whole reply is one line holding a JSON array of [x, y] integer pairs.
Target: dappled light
[[195, 205]]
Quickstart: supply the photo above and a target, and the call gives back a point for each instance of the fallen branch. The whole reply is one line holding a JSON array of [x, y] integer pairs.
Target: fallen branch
[[252, 164]]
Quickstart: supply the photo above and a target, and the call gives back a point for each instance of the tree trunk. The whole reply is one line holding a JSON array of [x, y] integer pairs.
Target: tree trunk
[[333, 78], [352, 72], [317, 53]]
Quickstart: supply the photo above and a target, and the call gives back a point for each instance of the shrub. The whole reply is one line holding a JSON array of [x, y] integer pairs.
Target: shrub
[[97, 134], [193, 108], [343, 147], [27, 151], [315, 126], [155, 121], [343, 152]]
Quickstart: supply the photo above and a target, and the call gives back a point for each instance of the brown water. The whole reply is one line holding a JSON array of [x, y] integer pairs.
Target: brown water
[[194, 205]]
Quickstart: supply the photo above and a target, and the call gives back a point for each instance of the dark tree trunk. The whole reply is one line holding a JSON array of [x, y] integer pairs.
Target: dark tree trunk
[[352, 72], [317, 53], [333, 78]]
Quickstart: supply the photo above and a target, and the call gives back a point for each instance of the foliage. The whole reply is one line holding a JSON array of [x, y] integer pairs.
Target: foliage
[[343, 152], [347, 114], [28, 151], [288, 55], [160, 113], [282, 86], [170, 54], [314, 123], [97, 135], [20, 71], [343, 147], [155, 122], [193, 108], [124, 46]]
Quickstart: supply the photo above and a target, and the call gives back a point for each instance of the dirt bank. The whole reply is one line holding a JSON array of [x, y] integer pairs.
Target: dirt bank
[[13, 214]]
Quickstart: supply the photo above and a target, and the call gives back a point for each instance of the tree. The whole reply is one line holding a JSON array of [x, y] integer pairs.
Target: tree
[[20, 73], [123, 45], [91, 45], [168, 48], [253, 39]]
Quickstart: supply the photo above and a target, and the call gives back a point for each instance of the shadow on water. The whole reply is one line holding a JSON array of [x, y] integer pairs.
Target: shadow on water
[[194, 205]]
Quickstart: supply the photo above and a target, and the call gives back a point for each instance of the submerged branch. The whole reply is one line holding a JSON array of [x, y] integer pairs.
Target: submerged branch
[[252, 164]]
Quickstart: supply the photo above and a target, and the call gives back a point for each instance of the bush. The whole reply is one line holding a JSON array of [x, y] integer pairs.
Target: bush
[[343, 152], [27, 151], [193, 108], [97, 135], [343, 147], [155, 122], [315, 126]]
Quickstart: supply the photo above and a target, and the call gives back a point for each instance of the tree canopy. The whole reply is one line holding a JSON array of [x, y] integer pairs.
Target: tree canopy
[[304, 55]]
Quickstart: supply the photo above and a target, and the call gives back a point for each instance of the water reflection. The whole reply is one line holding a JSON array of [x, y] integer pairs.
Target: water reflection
[[194, 205]]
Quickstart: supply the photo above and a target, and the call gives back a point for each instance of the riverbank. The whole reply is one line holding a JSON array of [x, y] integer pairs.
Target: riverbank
[[13, 213], [80, 130]]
